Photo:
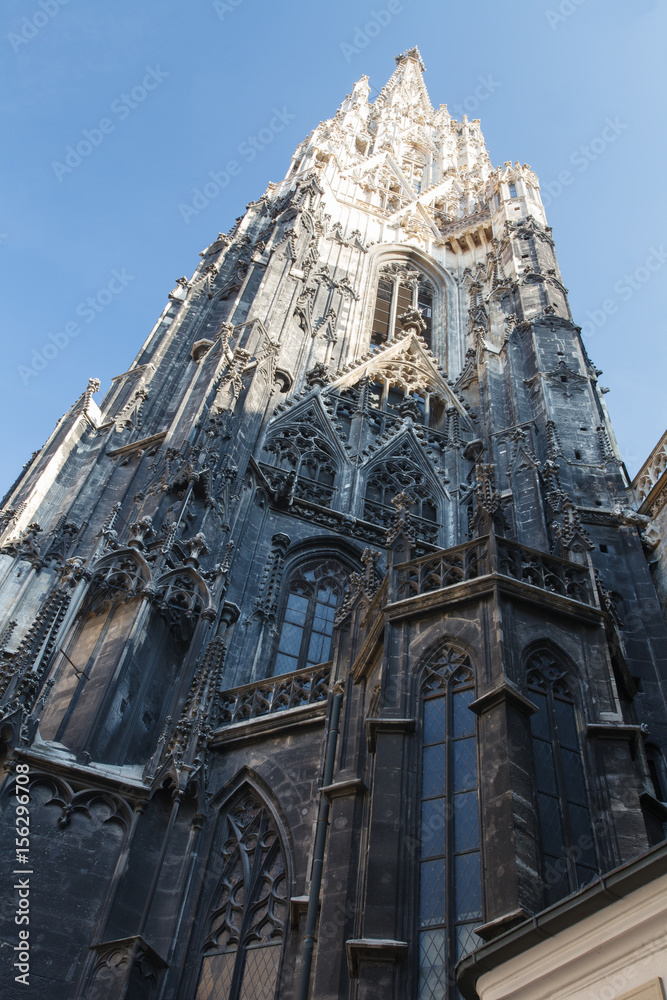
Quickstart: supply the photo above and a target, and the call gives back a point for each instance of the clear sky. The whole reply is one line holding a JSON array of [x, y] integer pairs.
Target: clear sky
[[156, 94]]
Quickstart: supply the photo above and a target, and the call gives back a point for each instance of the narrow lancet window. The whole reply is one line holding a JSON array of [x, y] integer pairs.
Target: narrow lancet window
[[450, 886], [568, 849], [242, 951], [400, 289]]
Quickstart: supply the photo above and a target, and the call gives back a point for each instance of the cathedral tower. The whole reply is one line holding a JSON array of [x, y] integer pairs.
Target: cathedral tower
[[330, 650]]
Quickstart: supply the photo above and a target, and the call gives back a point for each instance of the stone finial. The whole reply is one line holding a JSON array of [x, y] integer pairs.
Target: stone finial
[[571, 533], [401, 529], [197, 547], [487, 496], [412, 321], [318, 375], [141, 530]]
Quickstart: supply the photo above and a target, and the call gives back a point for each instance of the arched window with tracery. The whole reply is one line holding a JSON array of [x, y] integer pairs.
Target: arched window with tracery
[[414, 164], [566, 836], [401, 287], [400, 475], [450, 881], [313, 592], [300, 450], [243, 947]]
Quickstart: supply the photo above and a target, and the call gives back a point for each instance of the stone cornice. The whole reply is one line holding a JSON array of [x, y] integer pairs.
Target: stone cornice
[[565, 914], [488, 585], [263, 726], [614, 731], [504, 694]]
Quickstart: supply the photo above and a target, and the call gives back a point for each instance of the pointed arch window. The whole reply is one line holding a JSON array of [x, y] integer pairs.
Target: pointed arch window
[[314, 591], [398, 475], [450, 882], [247, 925], [414, 164], [399, 289], [390, 194], [566, 836]]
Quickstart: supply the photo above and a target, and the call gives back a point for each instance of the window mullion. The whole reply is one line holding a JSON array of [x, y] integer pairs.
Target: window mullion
[[250, 876], [385, 393], [450, 941], [562, 795], [307, 630], [394, 308]]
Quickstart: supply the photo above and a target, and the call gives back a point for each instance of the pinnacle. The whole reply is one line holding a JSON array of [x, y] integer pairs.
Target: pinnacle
[[412, 53], [406, 83]]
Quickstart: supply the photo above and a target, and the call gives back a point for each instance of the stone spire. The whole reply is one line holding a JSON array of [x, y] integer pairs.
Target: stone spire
[[405, 89]]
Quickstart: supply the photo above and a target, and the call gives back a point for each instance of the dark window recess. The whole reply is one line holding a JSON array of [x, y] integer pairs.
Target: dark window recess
[[314, 592], [450, 885], [603, 548], [394, 398], [512, 189], [566, 835], [394, 298], [403, 303], [656, 769], [421, 405], [382, 311], [375, 395], [577, 455], [425, 306]]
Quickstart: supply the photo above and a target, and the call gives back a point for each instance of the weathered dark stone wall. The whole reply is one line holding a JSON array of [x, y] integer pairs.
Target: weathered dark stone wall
[[147, 551]]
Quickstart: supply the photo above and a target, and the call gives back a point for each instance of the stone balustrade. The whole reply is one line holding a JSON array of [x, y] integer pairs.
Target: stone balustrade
[[275, 694], [487, 555]]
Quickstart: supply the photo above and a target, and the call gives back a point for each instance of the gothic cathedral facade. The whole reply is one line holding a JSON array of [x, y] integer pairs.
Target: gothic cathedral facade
[[330, 650]]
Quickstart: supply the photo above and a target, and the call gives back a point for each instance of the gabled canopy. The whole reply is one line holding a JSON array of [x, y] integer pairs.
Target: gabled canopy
[[408, 364]]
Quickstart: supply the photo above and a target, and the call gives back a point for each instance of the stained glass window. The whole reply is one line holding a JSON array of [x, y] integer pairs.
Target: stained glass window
[[450, 884], [566, 835], [242, 951], [314, 592]]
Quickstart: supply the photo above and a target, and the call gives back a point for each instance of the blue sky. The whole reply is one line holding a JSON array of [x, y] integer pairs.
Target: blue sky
[[164, 92]]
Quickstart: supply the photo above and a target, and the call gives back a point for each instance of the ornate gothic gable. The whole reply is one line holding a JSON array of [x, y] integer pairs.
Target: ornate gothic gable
[[382, 173], [406, 449], [309, 411], [409, 365]]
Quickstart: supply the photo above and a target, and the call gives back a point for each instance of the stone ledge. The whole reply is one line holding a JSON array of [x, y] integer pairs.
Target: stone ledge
[[487, 584], [375, 726], [340, 789], [373, 950], [267, 725], [614, 731], [501, 924], [298, 907], [654, 805]]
